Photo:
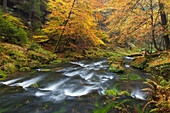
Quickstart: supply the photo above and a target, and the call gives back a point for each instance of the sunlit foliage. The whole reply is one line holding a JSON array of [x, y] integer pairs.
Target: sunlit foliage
[[12, 30], [81, 28], [131, 21]]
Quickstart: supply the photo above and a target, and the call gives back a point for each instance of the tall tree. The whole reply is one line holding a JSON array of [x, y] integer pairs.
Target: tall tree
[[138, 20], [72, 24], [152, 26], [5, 6], [65, 23], [164, 24]]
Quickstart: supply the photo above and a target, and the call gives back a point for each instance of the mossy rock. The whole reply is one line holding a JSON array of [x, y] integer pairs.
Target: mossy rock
[[115, 93], [117, 68], [22, 69], [139, 62], [115, 59]]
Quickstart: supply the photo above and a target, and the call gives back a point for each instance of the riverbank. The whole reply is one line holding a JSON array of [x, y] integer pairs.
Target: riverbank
[[156, 63], [16, 58]]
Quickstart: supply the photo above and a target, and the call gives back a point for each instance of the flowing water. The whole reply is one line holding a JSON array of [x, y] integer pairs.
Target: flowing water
[[71, 87]]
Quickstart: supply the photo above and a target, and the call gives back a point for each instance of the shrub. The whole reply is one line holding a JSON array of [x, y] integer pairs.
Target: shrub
[[12, 30]]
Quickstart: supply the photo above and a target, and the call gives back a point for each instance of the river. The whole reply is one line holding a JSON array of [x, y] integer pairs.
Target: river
[[73, 87]]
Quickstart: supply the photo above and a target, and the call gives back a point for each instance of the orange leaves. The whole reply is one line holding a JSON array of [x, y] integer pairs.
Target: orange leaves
[[81, 25]]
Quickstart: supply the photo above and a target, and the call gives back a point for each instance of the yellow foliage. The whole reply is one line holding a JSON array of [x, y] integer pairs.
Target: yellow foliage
[[81, 25], [41, 38], [16, 21]]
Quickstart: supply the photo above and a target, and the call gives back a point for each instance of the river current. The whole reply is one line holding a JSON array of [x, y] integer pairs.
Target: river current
[[66, 87]]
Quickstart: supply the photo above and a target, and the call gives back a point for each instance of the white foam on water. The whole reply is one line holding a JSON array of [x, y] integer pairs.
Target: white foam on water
[[57, 98], [27, 83], [70, 74], [78, 63], [54, 86], [68, 69], [11, 81], [51, 96], [138, 94], [88, 76], [129, 57], [99, 63], [83, 91], [127, 65], [39, 94]]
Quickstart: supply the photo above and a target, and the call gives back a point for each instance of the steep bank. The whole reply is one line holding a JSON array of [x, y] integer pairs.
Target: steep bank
[[156, 63], [15, 58]]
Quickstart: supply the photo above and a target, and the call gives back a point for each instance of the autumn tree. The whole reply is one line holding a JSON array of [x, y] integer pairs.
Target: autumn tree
[[72, 24], [136, 21]]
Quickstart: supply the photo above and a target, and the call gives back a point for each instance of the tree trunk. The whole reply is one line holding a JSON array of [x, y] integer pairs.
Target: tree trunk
[[153, 27], [5, 6], [65, 23], [30, 19], [164, 24]]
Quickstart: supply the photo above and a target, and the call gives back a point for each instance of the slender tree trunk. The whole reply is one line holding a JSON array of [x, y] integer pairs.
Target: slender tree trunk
[[65, 23], [5, 6], [153, 27], [30, 19], [164, 24]]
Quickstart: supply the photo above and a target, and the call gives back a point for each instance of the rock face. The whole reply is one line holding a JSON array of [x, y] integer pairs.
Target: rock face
[[116, 64], [32, 12]]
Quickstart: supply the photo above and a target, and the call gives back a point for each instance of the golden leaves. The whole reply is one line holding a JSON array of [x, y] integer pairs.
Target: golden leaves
[[81, 24]]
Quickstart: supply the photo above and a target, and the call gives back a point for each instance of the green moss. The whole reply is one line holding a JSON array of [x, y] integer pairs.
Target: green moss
[[116, 68], [129, 76], [22, 69], [56, 61], [38, 56], [116, 64], [116, 93], [34, 64], [139, 62], [2, 75], [12, 30], [115, 59], [45, 70], [9, 68]]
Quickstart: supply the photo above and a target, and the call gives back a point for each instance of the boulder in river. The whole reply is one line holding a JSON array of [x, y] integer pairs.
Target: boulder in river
[[116, 64]]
